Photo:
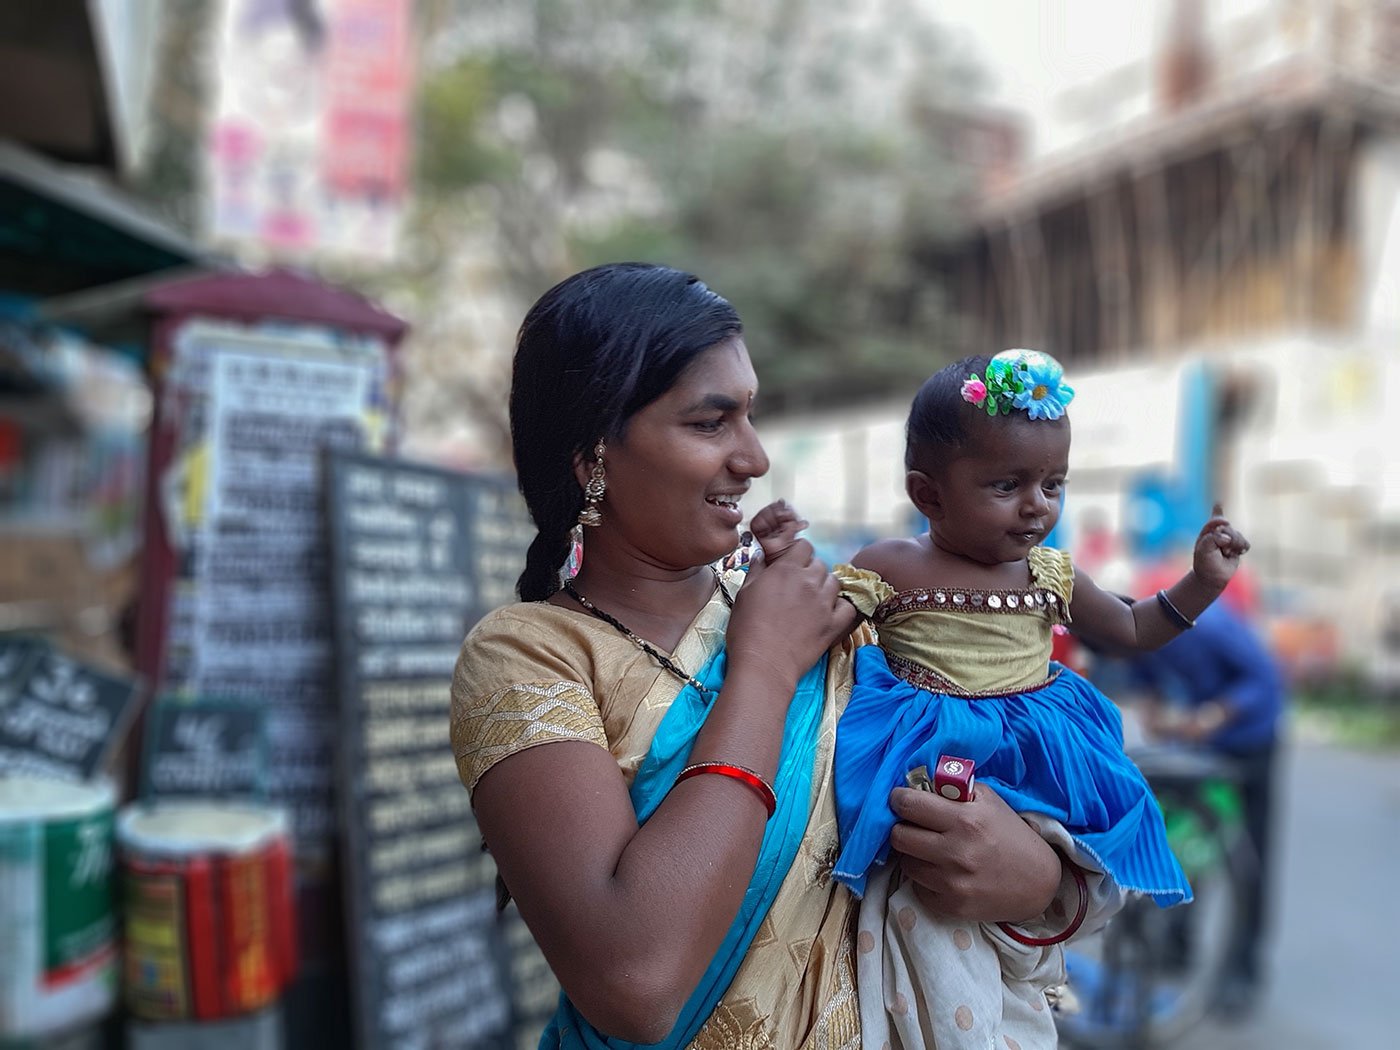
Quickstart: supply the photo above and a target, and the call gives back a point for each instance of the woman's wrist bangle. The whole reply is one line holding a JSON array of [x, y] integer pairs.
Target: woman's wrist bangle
[[1175, 615], [748, 777], [1069, 931]]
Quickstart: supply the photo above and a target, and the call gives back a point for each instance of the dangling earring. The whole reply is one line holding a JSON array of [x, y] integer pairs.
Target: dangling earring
[[575, 559], [593, 491]]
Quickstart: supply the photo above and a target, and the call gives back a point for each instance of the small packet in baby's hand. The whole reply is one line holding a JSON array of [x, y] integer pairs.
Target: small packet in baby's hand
[[953, 778]]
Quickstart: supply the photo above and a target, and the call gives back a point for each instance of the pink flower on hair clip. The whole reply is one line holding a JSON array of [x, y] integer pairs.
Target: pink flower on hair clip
[[974, 390]]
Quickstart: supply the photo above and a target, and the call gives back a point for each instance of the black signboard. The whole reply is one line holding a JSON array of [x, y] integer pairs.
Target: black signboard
[[417, 556], [205, 749], [59, 717], [17, 655]]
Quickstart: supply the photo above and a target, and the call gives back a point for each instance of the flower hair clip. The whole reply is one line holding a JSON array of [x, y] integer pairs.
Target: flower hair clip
[[1028, 380]]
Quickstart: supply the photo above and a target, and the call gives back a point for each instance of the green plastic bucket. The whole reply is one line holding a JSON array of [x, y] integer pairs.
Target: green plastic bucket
[[58, 958]]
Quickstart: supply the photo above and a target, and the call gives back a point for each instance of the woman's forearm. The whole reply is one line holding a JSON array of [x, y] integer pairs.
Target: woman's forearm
[[654, 902]]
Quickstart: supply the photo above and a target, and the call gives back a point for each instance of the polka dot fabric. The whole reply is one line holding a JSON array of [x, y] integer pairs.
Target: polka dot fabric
[[931, 983]]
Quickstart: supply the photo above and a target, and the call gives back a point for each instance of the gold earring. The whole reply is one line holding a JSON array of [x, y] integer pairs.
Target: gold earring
[[593, 491]]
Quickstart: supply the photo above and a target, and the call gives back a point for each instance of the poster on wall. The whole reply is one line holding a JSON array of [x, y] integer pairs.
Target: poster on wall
[[241, 499], [310, 141]]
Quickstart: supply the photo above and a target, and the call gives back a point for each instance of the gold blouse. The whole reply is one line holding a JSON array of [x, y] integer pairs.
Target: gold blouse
[[533, 673], [972, 642]]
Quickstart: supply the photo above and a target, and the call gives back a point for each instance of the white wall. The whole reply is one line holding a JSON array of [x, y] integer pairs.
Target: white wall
[[1377, 192], [1313, 478]]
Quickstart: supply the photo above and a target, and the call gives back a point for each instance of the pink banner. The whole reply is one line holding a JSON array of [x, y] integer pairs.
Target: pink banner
[[310, 147], [368, 80]]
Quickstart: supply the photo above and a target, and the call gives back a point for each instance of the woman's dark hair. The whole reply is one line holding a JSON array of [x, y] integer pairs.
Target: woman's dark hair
[[592, 352], [939, 416]]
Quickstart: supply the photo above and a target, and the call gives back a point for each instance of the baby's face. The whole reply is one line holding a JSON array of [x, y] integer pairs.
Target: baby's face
[[1000, 496]]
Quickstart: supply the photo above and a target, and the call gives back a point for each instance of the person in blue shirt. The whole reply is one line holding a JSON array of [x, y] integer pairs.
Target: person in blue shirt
[[1218, 686]]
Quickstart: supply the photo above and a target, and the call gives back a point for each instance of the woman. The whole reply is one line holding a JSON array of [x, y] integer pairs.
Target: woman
[[649, 747]]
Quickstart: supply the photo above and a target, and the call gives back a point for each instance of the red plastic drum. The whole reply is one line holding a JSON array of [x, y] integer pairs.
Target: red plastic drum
[[210, 922]]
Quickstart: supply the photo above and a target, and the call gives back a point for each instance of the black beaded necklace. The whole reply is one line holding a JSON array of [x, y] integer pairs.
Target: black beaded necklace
[[641, 643]]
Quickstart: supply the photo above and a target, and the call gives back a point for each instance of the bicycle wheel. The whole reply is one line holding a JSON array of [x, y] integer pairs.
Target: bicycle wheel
[[1152, 975]]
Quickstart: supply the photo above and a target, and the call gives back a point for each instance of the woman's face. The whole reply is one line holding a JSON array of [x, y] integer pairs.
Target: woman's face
[[675, 479]]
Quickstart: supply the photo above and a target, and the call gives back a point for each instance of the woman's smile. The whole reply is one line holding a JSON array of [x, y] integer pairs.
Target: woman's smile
[[728, 506]]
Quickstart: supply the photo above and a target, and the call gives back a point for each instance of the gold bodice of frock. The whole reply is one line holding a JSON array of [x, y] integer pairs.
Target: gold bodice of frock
[[968, 642]]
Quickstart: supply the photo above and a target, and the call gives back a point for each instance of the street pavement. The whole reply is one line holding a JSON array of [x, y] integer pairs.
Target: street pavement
[[1335, 961]]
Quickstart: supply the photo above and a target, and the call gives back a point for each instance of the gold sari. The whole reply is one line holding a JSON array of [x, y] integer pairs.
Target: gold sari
[[534, 673]]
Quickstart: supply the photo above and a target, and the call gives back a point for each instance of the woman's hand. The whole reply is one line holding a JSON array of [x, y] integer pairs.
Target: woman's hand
[[1218, 549], [973, 860]]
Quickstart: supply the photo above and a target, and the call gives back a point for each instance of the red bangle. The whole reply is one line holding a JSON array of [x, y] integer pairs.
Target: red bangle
[[1074, 924], [759, 786]]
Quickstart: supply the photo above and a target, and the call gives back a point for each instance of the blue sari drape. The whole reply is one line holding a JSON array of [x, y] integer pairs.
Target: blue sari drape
[[668, 755]]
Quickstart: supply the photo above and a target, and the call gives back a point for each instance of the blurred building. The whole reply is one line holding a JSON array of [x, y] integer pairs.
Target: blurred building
[[1218, 268], [74, 78]]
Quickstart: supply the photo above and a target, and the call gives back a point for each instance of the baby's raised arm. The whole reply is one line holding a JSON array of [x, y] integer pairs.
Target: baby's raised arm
[[776, 527], [1106, 620]]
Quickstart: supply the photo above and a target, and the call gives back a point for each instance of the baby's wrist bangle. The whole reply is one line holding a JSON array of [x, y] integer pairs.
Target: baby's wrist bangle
[[1021, 937], [1175, 615], [745, 776]]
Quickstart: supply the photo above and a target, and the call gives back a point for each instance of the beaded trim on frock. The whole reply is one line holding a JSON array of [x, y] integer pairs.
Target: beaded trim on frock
[[992, 601]]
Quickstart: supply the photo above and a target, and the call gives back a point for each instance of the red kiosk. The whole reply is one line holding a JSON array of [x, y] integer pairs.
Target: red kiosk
[[254, 376]]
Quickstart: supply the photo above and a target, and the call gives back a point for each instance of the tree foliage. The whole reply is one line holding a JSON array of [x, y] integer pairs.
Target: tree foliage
[[167, 175], [785, 150]]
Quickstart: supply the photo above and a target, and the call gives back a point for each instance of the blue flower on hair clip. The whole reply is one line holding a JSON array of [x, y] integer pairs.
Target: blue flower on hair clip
[[1044, 393]]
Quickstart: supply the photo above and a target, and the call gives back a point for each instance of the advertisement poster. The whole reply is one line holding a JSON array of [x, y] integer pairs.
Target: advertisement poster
[[310, 143], [249, 618]]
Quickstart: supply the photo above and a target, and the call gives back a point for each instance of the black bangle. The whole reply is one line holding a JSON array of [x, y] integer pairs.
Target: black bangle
[[1174, 614]]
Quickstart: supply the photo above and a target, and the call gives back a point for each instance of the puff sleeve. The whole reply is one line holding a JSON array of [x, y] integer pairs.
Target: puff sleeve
[[862, 588], [1053, 570]]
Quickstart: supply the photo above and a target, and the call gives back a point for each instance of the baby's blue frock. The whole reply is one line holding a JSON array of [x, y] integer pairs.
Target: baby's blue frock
[[1054, 749]]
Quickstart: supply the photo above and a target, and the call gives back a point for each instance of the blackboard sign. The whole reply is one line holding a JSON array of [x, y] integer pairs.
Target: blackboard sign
[[417, 556], [59, 717], [205, 749], [17, 656], [534, 990]]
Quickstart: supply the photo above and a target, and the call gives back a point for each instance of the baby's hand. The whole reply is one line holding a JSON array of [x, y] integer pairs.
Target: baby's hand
[[1218, 550], [776, 527]]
